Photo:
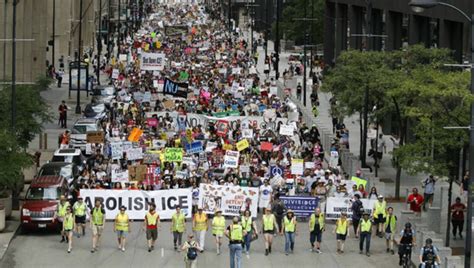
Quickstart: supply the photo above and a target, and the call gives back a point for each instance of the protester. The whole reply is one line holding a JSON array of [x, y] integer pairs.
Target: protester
[[415, 200], [316, 229], [63, 114], [200, 226], [218, 225], [178, 227], [379, 214], [122, 227], [59, 215], [191, 247], [365, 233], [342, 232], [279, 211], [390, 229], [236, 234], [357, 210], [97, 224], [289, 228], [151, 225], [457, 217], [269, 227], [80, 210], [68, 227], [429, 186]]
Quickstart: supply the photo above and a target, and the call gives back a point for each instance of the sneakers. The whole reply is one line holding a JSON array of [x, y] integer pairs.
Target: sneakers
[[92, 250], [400, 262], [69, 251], [62, 240], [123, 249], [318, 251], [270, 249], [388, 250], [360, 252], [175, 248], [247, 253], [392, 251], [286, 253], [460, 235], [149, 249], [266, 252], [368, 254]]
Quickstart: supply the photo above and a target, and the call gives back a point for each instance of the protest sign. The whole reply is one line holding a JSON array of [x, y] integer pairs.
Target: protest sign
[[135, 135], [134, 154], [152, 122], [176, 89], [137, 202], [286, 130], [227, 146], [297, 166], [276, 170], [150, 158], [115, 73], [303, 206], [173, 154], [359, 181], [222, 128], [231, 200], [211, 146], [242, 145], [194, 148], [152, 61], [266, 146], [334, 159], [231, 159], [116, 150], [247, 133], [309, 165], [119, 176], [95, 137], [336, 205]]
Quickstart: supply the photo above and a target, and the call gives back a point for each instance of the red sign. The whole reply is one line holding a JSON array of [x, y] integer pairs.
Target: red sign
[[222, 128], [152, 122], [266, 146]]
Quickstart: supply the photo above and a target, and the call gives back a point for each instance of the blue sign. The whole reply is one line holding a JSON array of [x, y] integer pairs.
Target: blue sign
[[194, 148], [303, 206], [274, 170]]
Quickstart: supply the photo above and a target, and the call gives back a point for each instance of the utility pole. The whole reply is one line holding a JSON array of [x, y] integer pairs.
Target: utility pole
[[54, 34], [277, 40], [99, 43], [5, 37], [229, 9], [15, 3], [79, 53], [119, 27], [109, 13]]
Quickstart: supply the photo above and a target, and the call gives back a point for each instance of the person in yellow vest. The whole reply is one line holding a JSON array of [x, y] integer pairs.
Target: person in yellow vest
[[250, 229], [150, 225], [200, 226], [218, 226], [341, 231], [289, 229], [178, 226], [316, 228], [80, 210], [379, 213], [68, 227], [390, 229], [122, 227], [365, 233], [59, 215], [268, 227], [235, 232], [97, 224]]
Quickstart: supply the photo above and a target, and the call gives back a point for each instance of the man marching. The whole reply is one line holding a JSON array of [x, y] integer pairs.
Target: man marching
[[178, 226], [97, 224], [150, 225], [218, 226]]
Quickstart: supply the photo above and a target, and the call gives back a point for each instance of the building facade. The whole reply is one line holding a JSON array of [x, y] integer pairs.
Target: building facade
[[390, 25]]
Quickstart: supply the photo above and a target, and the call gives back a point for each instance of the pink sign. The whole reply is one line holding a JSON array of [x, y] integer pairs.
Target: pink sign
[[152, 122]]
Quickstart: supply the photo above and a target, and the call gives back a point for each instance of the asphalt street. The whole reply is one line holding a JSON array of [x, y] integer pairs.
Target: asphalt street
[[39, 249]]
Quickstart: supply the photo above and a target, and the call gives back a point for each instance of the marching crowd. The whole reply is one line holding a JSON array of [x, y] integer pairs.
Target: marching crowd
[[206, 91]]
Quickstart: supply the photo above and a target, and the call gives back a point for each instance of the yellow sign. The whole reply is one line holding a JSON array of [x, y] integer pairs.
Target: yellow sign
[[242, 145], [227, 147], [177, 142], [359, 181], [164, 136], [135, 135], [189, 134]]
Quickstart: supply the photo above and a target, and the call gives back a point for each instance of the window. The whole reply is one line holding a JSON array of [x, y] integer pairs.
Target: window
[[39, 193]]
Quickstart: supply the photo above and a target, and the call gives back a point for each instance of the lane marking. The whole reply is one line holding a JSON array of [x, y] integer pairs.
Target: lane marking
[[162, 252]]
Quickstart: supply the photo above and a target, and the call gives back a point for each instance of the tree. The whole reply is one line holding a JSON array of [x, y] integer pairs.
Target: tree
[[412, 85]]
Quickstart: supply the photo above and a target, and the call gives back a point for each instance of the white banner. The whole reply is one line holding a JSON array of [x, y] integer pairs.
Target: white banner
[[137, 202], [152, 61], [229, 199], [336, 205], [231, 159]]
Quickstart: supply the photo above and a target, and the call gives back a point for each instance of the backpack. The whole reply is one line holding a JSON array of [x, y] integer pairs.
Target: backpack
[[359, 208], [192, 253]]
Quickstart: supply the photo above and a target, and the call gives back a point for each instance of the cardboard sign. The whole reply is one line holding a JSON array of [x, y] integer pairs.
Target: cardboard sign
[[169, 104], [242, 145], [95, 137], [173, 154], [135, 135]]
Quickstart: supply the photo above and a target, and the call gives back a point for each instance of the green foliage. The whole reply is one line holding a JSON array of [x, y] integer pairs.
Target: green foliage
[[294, 29], [31, 110], [414, 85]]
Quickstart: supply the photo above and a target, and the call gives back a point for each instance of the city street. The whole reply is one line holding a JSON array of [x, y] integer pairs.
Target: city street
[[44, 250]]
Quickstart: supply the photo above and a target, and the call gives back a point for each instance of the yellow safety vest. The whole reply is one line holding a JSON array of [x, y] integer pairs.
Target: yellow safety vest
[[392, 221], [289, 225], [247, 224], [121, 222], [80, 209], [151, 219], [380, 208], [365, 225], [97, 216], [200, 222], [218, 225], [268, 222], [312, 221], [68, 222], [341, 227], [62, 208], [236, 232], [178, 222]]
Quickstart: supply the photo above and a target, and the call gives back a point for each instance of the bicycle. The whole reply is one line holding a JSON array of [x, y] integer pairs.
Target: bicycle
[[406, 256]]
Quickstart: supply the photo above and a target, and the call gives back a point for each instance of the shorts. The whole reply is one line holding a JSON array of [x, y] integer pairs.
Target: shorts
[[67, 231], [341, 237], [81, 219], [428, 197], [379, 219], [122, 233], [151, 234], [218, 235], [269, 232], [97, 229], [389, 236], [316, 236]]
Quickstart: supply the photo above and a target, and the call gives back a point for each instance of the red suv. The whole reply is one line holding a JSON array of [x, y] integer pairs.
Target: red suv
[[41, 201]]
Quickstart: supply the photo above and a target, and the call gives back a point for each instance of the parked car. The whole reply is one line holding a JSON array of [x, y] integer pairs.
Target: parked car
[[74, 156], [41, 202], [80, 129], [70, 171]]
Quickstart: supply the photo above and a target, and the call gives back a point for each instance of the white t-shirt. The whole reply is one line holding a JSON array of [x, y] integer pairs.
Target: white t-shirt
[[265, 195]]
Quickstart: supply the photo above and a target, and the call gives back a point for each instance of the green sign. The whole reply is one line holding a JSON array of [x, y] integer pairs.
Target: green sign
[[173, 154]]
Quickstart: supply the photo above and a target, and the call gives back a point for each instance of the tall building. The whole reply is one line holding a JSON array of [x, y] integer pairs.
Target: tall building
[[394, 24]]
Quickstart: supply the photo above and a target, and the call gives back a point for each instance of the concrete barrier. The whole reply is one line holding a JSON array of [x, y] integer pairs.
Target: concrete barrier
[[434, 217], [452, 262]]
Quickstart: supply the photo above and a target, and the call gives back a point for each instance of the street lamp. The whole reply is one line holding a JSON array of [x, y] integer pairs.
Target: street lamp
[[420, 6]]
